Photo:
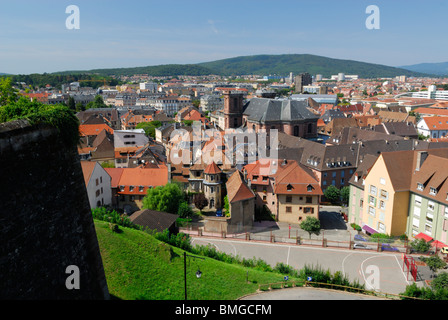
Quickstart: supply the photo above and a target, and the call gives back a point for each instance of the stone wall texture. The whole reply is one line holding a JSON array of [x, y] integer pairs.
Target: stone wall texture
[[45, 220]]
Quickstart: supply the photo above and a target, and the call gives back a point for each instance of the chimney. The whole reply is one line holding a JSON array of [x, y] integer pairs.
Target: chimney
[[421, 157]]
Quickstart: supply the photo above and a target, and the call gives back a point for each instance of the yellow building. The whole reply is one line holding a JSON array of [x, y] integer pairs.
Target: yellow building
[[386, 193]]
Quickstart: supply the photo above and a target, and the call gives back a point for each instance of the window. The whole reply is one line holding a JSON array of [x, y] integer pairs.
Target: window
[[309, 199], [373, 190], [384, 194], [334, 175], [265, 178], [372, 211], [288, 209], [431, 205], [382, 205], [418, 200], [255, 178], [97, 182], [432, 191], [131, 188], [121, 188], [429, 217], [383, 181], [372, 201], [428, 229], [420, 187], [309, 188], [416, 222], [446, 212], [289, 187], [308, 210], [288, 199], [381, 227], [417, 211], [141, 189]]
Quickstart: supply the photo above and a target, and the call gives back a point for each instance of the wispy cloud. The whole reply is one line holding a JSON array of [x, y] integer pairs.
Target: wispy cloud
[[212, 24]]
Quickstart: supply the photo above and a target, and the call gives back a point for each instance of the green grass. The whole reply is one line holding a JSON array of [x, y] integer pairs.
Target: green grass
[[139, 267]]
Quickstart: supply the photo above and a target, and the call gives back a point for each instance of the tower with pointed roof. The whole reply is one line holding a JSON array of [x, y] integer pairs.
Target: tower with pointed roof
[[212, 186]]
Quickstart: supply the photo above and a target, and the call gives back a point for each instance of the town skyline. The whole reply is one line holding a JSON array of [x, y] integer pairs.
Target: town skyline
[[114, 36]]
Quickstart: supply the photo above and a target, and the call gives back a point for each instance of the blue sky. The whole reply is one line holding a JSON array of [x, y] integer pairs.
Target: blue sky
[[34, 38]]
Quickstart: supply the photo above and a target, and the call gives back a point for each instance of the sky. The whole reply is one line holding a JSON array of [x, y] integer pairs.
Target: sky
[[34, 37]]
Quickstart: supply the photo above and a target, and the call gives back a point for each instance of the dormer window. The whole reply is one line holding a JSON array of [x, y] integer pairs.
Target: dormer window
[[255, 178], [289, 187], [121, 188], [309, 188], [433, 191], [131, 188], [420, 186], [141, 189]]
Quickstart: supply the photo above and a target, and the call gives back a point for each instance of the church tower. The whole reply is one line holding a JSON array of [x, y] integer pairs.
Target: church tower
[[233, 110]]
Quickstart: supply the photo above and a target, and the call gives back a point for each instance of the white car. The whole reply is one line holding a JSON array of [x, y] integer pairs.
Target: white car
[[361, 246], [444, 250]]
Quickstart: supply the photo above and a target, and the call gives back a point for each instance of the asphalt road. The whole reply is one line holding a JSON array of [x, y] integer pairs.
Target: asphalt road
[[308, 294], [380, 271]]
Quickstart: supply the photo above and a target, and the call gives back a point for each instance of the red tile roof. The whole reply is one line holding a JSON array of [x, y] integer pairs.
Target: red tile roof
[[87, 170], [212, 169], [237, 190], [94, 129], [137, 181], [436, 123]]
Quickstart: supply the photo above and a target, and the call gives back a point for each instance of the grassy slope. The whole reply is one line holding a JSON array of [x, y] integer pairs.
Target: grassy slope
[[137, 267]]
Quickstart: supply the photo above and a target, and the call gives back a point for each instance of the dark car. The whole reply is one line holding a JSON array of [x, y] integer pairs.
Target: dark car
[[388, 247]]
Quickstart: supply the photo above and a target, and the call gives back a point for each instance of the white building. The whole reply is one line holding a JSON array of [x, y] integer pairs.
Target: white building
[[149, 86], [211, 103], [98, 184], [433, 127], [130, 138]]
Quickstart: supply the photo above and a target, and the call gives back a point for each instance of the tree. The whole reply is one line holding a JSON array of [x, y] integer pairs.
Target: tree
[[97, 103], [420, 245], [166, 198], [434, 263], [311, 225], [440, 282], [345, 194], [184, 210], [71, 103], [226, 206], [200, 201], [333, 194], [8, 94]]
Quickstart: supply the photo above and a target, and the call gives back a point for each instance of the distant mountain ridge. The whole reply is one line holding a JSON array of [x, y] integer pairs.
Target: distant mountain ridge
[[264, 65], [438, 68]]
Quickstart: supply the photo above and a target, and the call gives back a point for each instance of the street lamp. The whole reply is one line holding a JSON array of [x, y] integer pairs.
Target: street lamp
[[198, 273]]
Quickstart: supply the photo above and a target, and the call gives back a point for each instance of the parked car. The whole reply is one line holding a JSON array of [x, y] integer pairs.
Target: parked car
[[361, 246], [359, 237], [388, 247]]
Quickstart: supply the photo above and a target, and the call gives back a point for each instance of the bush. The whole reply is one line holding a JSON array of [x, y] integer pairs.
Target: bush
[[285, 269], [104, 214], [356, 227]]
